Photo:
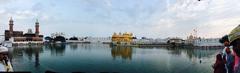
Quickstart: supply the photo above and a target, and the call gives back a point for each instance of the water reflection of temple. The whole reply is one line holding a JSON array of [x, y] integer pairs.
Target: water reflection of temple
[[56, 49], [30, 51], [122, 52]]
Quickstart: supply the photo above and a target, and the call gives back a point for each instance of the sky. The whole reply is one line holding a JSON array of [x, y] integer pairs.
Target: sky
[[144, 18]]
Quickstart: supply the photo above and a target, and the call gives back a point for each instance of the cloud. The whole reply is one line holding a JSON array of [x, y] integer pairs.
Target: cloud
[[2, 11], [212, 18], [5, 1], [37, 7], [188, 9], [164, 24], [24, 14], [153, 18], [218, 28]]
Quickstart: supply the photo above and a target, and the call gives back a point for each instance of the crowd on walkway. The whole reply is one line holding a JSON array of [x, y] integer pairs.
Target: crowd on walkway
[[228, 61]]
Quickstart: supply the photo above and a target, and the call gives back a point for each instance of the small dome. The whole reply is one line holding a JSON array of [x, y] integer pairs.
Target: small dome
[[29, 31]]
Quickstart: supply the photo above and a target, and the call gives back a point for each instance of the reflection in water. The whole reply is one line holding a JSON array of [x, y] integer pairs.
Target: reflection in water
[[29, 56], [123, 52], [29, 51], [96, 57], [56, 49], [192, 52], [37, 56], [73, 46]]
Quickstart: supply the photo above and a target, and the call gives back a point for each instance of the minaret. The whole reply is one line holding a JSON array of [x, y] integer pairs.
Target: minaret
[[37, 28], [11, 27]]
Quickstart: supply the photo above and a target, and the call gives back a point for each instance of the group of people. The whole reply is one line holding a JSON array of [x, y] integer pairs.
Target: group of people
[[228, 61]]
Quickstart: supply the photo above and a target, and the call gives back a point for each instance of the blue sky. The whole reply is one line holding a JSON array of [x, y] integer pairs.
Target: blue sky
[[150, 18]]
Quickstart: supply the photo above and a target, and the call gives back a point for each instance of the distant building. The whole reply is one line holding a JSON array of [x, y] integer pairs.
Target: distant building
[[104, 40], [18, 36], [190, 39], [125, 38], [97, 39], [207, 42], [176, 41]]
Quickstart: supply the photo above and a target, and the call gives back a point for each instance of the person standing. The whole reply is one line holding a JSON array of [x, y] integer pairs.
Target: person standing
[[229, 58], [227, 54]]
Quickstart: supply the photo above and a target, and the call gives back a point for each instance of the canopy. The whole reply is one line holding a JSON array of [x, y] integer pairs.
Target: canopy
[[234, 34]]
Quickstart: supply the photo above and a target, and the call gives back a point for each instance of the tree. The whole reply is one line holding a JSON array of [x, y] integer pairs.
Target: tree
[[73, 38], [48, 38], [59, 38]]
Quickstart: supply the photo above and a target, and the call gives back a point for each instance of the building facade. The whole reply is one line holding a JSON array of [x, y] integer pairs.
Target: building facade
[[19, 36], [125, 38]]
